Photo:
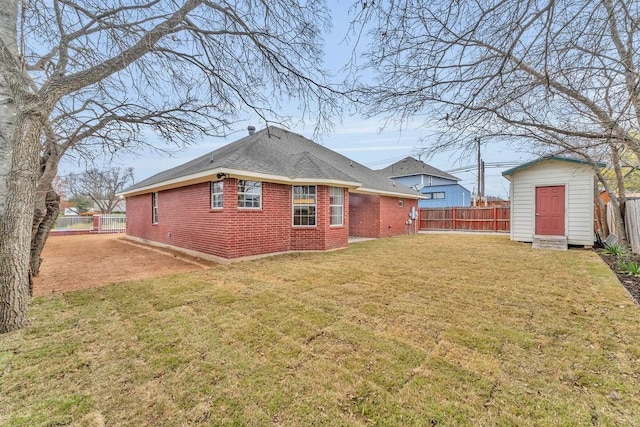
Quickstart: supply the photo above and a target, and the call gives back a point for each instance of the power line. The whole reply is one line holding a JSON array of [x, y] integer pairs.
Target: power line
[[490, 164]]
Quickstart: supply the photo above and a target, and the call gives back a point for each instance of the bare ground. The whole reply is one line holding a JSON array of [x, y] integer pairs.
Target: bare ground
[[91, 260]]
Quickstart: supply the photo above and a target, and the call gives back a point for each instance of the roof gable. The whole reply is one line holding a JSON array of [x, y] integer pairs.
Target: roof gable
[[410, 166], [535, 162], [282, 156]]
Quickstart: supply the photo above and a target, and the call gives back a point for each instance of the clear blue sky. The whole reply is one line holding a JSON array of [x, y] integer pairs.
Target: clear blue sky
[[361, 140]]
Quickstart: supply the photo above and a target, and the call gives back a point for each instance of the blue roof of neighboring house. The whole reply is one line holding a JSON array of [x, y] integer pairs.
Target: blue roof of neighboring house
[[511, 171]]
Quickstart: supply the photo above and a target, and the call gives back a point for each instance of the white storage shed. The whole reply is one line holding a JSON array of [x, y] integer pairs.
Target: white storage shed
[[552, 202]]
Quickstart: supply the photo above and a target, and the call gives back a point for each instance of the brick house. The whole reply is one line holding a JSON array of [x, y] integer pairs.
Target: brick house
[[272, 191]]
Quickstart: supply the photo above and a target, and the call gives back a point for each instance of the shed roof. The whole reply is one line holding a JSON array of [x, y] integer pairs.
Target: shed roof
[[511, 171], [410, 166], [280, 156]]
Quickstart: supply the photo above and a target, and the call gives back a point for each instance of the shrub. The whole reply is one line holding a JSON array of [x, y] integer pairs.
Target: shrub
[[615, 249], [631, 268]]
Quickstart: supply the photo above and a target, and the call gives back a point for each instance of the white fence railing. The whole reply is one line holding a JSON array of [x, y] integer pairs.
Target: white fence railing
[[111, 223], [93, 224]]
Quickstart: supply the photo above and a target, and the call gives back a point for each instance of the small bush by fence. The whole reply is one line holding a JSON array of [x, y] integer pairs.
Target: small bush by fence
[[496, 219], [90, 224]]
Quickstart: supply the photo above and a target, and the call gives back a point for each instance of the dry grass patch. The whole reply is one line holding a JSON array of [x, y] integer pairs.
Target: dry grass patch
[[424, 330]]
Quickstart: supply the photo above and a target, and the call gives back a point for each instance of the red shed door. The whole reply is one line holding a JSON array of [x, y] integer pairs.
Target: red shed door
[[550, 211]]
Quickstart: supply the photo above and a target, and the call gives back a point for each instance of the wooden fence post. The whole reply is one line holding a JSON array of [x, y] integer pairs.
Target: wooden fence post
[[453, 219], [495, 219]]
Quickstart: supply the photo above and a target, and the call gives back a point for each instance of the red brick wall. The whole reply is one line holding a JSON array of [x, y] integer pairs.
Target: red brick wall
[[186, 220], [364, 215], [393, 218], [378, 216], [323, 236]]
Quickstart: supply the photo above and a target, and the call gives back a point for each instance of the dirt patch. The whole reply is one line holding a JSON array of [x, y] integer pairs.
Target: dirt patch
[[86, 261]]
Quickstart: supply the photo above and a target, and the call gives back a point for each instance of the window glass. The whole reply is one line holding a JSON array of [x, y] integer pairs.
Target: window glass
[[154, 208], [336, 206], [436, 195], [304, 205], [249, 194], [216, 194]]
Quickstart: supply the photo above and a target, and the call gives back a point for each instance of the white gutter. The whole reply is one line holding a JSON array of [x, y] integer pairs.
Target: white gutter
[[234, 173]]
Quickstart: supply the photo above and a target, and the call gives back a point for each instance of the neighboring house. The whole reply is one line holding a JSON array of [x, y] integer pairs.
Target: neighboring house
[[441, 189], [273, 191], [552, 201], [119, 207]]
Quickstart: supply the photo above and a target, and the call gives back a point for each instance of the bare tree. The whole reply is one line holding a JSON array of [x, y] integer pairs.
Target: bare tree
[[100, 185], [549, 75], [95, 75]]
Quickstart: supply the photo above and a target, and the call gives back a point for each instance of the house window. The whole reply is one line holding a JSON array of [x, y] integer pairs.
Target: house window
[[436, 195], [154, 208], [304, 205], [249, 194], [216, 195], [336, 206], [401, 202]]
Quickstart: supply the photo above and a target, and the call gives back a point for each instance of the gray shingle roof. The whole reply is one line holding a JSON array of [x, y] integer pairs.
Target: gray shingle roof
[[277, 152], [410, 166]]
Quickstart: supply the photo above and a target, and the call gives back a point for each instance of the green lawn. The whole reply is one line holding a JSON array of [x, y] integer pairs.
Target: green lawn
[[421, 330]]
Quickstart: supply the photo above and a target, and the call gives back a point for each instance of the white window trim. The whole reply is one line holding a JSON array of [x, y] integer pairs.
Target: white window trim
[[244, 193], [154, 208], [293, 207], [340, 205], [212, 194]]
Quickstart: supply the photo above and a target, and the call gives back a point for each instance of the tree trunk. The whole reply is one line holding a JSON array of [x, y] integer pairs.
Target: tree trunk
[[619, 202], [47, 202], [15, 245], [43, 228], [615, 206], [8, 16], [601, 216]]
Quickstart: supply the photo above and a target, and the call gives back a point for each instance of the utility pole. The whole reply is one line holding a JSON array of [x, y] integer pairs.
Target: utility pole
[[479, 194]]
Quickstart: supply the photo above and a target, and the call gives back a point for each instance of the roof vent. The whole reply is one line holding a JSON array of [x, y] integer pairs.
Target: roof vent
[[251, 129], [211, 157]]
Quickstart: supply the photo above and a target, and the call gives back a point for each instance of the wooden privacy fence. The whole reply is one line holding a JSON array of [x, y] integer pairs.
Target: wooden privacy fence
[[631, 223], [491, 218]]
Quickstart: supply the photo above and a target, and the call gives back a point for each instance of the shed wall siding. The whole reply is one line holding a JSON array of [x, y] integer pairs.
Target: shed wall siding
[[578, 182]]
